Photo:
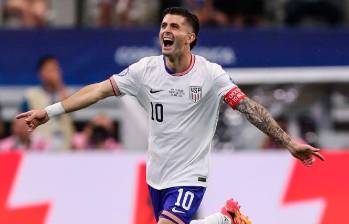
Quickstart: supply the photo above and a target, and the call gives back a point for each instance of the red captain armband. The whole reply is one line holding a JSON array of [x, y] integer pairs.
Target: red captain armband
[[234, 96]]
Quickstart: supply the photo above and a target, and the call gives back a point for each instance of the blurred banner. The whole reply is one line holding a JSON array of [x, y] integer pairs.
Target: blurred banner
[[89, 55], [110, 188]]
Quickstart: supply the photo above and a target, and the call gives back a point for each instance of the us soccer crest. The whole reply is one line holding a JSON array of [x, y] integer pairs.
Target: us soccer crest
[[195, 93]]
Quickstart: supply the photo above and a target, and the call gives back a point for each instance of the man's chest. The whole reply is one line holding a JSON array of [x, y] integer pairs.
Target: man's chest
[[188, 91]]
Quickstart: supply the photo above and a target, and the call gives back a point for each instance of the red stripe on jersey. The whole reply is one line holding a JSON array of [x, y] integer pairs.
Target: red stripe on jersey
[[187, 70], [191, 65], [114, 86], [234, 96]]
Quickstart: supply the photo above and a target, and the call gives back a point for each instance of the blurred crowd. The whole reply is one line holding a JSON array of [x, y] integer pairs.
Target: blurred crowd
[[124, 13], [60, 133]]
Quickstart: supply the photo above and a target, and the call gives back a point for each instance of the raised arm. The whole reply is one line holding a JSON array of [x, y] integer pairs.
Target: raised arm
[[257, 115], [85, 97]]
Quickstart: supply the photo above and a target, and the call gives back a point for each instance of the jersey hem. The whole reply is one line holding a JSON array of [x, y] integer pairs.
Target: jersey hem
[[180, 184]]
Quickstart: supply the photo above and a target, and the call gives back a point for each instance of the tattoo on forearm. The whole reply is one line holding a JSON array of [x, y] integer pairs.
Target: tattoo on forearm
[[262, 119]]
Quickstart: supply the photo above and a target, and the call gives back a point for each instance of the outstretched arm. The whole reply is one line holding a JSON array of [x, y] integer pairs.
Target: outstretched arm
[[262, 119], [86, 96]]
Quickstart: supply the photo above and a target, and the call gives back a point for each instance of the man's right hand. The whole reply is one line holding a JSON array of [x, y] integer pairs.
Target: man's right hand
[[34, 118]]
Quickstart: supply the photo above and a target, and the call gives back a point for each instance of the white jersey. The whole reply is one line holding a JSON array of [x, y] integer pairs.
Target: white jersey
[[183, 112]]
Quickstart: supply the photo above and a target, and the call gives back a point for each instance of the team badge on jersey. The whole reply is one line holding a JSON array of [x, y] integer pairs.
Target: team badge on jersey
[[195, 93]]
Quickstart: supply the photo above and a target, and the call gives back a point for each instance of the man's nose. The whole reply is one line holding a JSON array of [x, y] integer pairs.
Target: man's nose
[[167, 32], [166, 29]]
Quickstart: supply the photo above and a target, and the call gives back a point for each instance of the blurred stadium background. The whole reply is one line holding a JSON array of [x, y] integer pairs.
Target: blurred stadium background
[[290, 55]]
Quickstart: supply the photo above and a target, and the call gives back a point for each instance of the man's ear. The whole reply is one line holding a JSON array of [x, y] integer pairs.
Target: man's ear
[[191, 38]]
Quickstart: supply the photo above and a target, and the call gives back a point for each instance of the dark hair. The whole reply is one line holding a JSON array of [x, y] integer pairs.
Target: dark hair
[[190, 17], [42, 61]]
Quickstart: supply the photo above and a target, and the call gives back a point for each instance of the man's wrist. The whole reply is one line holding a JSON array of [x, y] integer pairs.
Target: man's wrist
[[54, 110], [291, 145]]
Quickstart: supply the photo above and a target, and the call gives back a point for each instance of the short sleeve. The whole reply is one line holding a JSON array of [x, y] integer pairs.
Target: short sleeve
[[222, 81], [128, 81]]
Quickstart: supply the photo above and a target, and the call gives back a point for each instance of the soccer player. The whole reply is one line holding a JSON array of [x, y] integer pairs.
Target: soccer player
[[181, 93]]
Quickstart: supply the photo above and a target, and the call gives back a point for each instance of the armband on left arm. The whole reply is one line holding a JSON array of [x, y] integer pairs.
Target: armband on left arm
[[234, 96]]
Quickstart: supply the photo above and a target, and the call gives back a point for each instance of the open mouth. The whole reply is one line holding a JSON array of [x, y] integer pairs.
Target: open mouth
[[167, 42]]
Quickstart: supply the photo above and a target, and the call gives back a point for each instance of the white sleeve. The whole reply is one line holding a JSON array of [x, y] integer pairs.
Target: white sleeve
[[222, 81], [129, 80]]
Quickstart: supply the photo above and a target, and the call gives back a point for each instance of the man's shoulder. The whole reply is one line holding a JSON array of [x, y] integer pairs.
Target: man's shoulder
[[201, 59], [146, 62], [149, 60], [211, 66]]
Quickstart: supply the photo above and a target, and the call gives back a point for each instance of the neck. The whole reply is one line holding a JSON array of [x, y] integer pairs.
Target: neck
[[178, 63]]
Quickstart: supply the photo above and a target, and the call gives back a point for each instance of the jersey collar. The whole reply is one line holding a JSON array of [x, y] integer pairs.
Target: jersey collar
[[187, 70]]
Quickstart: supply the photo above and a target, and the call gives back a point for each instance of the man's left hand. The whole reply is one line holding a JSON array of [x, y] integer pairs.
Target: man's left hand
[[305, 153]]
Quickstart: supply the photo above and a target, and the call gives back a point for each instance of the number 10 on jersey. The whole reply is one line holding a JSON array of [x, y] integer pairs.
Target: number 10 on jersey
[[157, 112]]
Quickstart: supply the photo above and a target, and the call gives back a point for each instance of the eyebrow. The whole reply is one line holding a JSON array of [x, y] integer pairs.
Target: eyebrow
[[170, 24]]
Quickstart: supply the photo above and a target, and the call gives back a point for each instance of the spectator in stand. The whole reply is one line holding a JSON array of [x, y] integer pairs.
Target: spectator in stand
[[239, 13], [242, 13], [59, 132], [126, 12], [313, 13], [113, 11], [21, 139], [207, 14], [164, 4], [26, 13], [97, 134]]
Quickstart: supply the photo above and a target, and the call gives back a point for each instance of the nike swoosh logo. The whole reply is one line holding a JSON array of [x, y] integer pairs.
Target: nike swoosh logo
[[154, 91], [174, 209]]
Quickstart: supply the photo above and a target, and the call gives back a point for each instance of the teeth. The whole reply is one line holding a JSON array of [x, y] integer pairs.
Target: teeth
[[167, 41]]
